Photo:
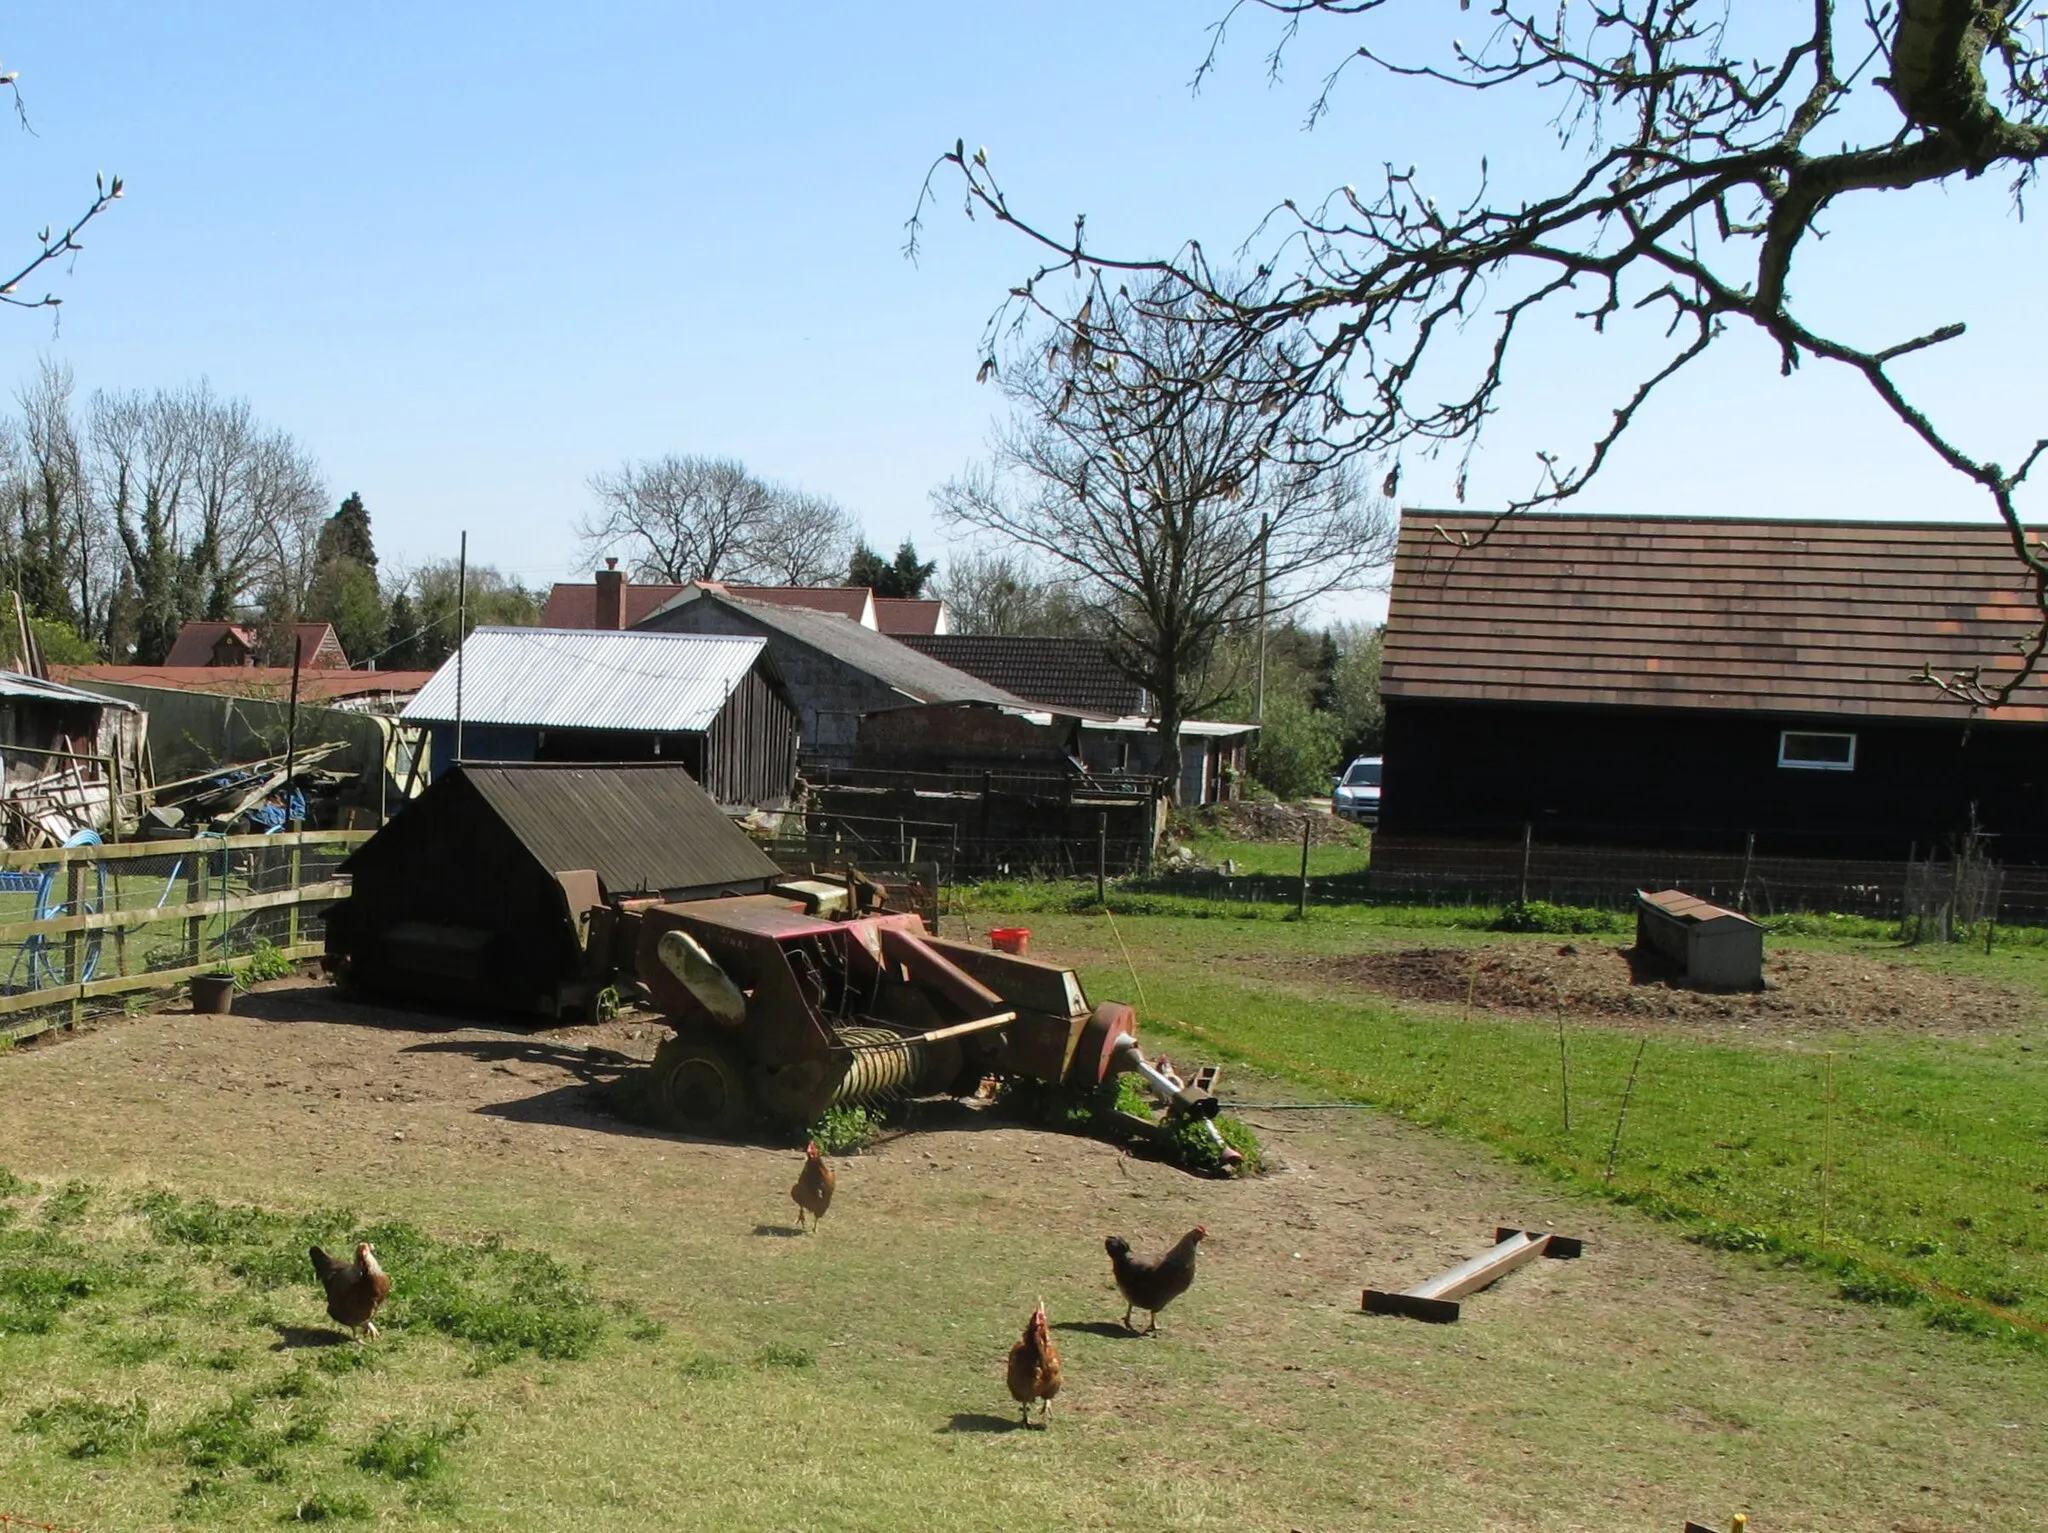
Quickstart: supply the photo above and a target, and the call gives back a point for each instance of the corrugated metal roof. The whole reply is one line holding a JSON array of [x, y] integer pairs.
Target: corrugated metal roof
[[890, 661], [558, 678], [1755, 614], [638, 825], [14, 684]]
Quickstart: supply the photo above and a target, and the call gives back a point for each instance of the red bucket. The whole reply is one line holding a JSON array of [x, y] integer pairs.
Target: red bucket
[[1010, 939]]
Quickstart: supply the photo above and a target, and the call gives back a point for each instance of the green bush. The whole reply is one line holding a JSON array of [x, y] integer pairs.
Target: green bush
[[846, 1130], [1541, 916], [266, 961]]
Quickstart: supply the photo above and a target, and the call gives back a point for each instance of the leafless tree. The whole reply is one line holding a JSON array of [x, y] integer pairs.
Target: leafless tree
[[805, 539], [988, 591], [54, 535], [1706, 170], [684, 518], [1166, 504]]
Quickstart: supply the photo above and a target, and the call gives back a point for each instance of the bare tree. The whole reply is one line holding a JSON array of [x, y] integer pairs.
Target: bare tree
[[680, 518], [1705, 172], [1001, 592], [55, 532], [141, 462], [1165, 504], [805, 540]]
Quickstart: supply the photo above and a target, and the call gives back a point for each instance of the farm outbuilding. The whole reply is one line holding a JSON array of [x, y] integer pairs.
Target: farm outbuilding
[[1708, 684], [67, 759], [497, 886], [714, 704]]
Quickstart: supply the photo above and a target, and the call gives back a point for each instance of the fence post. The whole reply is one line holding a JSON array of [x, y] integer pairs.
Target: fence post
[[1101, 856], [74, 948], [1307, 829], [1748, 857], [1528, 839], [291, 936], [195, 896]]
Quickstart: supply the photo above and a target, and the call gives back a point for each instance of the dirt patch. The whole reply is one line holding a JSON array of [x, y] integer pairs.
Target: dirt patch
[[1805, 991]]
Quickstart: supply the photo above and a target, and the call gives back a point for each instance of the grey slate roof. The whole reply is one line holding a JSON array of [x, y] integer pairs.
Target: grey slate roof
[[558, 678], [637, 825], [890, 661], [1060, 673]]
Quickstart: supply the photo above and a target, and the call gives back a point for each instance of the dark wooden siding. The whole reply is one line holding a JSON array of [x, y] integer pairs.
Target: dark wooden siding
[[749, 753], [1641, 777]]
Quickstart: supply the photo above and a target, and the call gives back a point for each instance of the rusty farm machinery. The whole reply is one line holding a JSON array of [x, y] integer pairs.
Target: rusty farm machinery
[[785, 1004]]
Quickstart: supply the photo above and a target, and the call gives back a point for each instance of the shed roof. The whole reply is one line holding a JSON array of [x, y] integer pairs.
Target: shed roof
[[1072, 673], [905, 615], [554, 678], [1764, 615], [637, 825], [15, 684], [272, 682], [890, 661]]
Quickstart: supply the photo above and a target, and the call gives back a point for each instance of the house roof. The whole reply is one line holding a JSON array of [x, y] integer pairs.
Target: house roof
[[637, 825], [1796, 617], [570, 605], [196, 640], [15, 684], [554, 678], [856, 602], [264, 681], [902, 616], [895, 664], [1069, 673]]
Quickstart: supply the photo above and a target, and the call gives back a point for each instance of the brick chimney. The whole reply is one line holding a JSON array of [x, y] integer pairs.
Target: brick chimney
[[611, 596]]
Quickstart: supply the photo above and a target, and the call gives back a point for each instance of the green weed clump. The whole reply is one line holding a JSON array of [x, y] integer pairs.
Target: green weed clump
[[83, 1427], [405, 1450], [1564, 920], [266, 961], [847, 1130]]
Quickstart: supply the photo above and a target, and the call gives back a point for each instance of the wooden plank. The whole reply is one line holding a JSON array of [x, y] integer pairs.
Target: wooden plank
[[197, 910], [24, 858], [66, 995]]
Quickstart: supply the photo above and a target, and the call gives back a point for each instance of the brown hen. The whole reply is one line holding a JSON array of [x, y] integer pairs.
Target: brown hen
[[1034, 1370], [813, 1189], [354, 1289], [1153, 1284]]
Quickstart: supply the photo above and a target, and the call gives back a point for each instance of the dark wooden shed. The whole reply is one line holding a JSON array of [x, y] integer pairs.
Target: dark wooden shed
[[497, 886]]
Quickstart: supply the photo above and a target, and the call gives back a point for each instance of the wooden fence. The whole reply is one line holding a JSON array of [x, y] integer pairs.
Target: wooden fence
[[82, 923]]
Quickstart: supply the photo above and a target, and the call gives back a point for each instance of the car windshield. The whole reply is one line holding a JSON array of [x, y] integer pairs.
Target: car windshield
[[1363, 774]]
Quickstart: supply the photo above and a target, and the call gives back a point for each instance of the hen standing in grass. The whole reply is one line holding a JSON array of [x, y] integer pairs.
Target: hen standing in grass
[[1152, 1285], [1034, 1371], [813, 1189], [354, 1289]]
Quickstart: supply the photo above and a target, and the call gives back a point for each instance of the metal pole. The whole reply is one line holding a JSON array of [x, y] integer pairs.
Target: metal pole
[[1528, 837], [291, 728], [461, 624], [1101, 856], [1259, 688], [1307, 827]]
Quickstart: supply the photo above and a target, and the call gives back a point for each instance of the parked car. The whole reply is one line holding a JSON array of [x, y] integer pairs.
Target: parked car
[[1356, 795]]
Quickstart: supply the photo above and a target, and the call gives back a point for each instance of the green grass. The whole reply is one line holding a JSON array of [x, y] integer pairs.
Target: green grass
[[1914, 1169], [138, 1328]]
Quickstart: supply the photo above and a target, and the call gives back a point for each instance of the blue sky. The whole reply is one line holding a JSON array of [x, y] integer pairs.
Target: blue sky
[[470, 254]]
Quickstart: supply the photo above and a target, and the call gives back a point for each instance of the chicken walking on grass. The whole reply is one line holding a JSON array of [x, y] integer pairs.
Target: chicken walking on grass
[[1034, 1368], [813, 1189], [1154, 1284], [354, 1289]]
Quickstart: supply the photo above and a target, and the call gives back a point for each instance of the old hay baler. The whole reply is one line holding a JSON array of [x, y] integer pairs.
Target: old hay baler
[[783, 1008]]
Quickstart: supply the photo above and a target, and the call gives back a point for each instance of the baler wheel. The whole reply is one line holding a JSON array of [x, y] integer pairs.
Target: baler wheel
[[699, 1085]]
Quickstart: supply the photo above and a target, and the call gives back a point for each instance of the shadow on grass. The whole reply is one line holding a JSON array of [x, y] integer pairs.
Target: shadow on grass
[[291, 1337], [981, 1421], [784, 1231], [1110, 1328]]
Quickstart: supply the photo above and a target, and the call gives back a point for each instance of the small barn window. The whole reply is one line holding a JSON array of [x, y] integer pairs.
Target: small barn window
[[1817, 752]]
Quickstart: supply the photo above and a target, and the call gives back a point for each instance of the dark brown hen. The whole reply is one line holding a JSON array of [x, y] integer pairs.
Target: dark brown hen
[[1154, 1284]]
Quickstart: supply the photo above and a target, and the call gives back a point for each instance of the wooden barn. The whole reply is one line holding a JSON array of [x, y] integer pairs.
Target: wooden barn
[[1693, 683], [716, 705], [499, 886]]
